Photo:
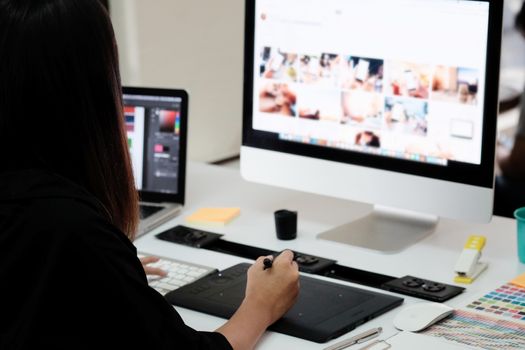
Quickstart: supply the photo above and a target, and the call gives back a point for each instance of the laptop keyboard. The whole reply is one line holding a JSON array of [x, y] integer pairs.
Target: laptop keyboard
[[180, 273], [148, 210]]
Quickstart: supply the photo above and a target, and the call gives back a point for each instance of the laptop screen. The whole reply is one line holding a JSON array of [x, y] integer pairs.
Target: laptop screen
[[154, 126]]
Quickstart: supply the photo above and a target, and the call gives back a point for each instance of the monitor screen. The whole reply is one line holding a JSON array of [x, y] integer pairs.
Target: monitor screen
[[388, 102], [153, 127]]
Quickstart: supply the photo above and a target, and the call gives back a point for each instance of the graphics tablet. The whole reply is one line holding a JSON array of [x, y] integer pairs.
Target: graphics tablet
[[324, 310]]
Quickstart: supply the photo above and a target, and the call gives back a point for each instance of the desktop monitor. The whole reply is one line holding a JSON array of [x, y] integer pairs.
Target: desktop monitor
[[388, 102]]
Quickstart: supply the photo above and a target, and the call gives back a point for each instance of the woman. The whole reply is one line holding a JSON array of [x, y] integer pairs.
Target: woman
[[509, 193], [68, 207]]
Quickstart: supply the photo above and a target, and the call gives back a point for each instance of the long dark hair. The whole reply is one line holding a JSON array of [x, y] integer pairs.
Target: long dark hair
[[519, 20], [60, 99]]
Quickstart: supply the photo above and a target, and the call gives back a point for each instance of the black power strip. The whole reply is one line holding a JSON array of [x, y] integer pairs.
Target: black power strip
[[189, 236], [407, 285], [425, 289]]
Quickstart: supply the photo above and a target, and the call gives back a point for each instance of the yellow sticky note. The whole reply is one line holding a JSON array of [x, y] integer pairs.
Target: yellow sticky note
[[213, 216], [519, 281]]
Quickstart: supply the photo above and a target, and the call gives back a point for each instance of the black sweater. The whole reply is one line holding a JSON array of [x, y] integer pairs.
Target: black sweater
[[69, 279]]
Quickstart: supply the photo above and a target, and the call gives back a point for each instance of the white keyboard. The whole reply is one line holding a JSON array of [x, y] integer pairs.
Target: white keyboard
[[180, 273]]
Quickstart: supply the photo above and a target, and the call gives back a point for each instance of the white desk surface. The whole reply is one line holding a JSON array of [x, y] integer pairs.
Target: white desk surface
[[432, 258]]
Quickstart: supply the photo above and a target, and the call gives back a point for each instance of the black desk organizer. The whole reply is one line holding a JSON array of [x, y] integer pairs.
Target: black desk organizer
[[407, 285]]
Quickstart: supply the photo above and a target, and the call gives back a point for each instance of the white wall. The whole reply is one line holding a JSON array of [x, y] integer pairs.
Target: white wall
[[192, 44]]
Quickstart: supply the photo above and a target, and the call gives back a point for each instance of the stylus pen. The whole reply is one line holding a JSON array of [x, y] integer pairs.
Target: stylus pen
[[267, 263], [360, 338]]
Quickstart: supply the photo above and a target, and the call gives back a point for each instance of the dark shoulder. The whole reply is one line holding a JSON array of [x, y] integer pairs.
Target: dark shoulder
[[44, 204], [74, 230], [75, 219], [64, 213]]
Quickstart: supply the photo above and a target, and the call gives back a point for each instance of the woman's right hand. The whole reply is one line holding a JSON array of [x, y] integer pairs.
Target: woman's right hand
[[269, 294], [273, 291]]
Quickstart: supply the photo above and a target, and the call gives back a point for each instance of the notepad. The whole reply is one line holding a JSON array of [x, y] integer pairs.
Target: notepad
[[213, 216]]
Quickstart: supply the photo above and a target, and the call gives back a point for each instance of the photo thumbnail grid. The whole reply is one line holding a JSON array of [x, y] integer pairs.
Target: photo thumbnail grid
[[375, 97]]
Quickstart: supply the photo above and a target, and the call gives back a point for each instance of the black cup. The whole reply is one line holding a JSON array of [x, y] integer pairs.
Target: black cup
[[286, 224]]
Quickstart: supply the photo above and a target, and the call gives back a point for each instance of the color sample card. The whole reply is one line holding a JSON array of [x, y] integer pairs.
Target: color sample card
[[480, 330], [508, 302]]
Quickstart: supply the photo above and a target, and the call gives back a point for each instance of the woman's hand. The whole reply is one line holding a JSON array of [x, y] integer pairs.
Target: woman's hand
[[269, 294], [273, 291], [152, 271]]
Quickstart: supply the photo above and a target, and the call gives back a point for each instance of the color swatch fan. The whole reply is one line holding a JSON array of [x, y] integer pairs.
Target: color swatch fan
[[496, 321]]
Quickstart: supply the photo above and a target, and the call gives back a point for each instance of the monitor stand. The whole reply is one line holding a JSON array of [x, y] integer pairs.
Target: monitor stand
[[385, 229]]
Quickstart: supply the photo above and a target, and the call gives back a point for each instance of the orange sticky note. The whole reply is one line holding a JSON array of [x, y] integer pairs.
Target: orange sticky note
[[519, 281], [213, 216]]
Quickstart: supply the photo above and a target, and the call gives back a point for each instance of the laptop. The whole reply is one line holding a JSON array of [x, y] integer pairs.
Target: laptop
[[323, 311], [156, 127]]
